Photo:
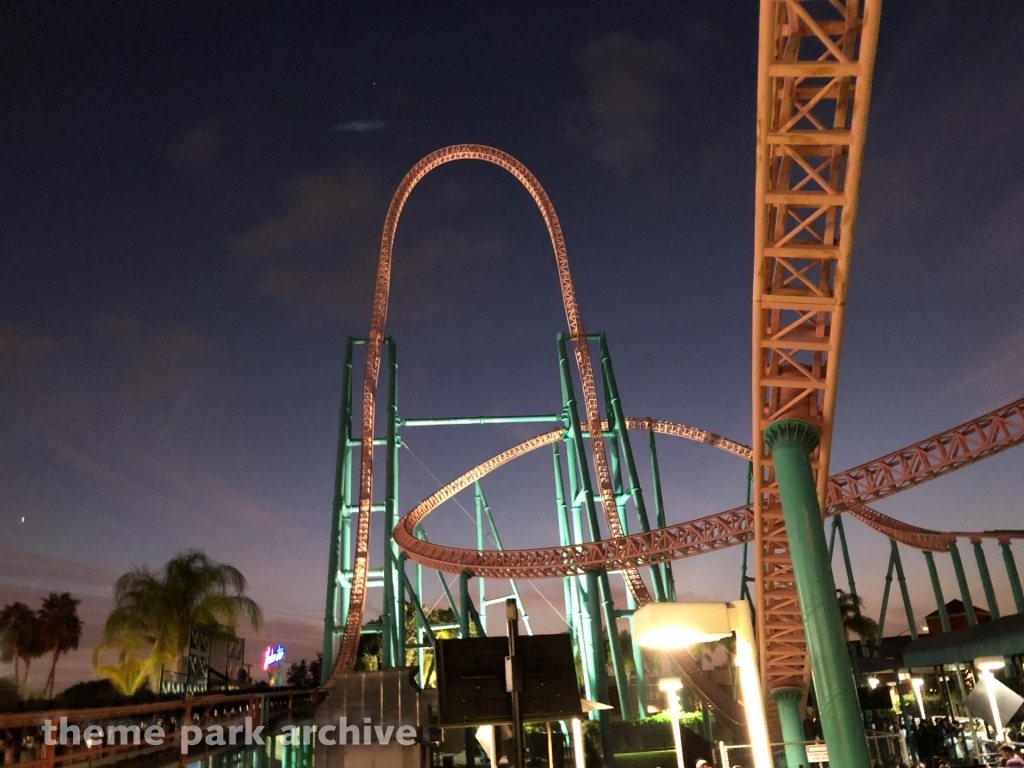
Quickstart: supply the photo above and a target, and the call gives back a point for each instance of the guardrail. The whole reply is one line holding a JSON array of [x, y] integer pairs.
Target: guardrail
[[22, 732]]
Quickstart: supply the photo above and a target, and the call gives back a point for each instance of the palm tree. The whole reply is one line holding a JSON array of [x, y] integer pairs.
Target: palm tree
[[853, 620], [155, 609], [128, 675], [60, 630], [19, 637]]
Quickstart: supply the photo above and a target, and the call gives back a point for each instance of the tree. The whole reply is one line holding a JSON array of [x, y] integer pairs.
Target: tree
[[128, 675], [297, 675], [19, 637], [853, 620], [155, 609], [60, 629]]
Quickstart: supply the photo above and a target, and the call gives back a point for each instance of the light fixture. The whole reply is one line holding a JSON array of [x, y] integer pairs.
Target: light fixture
[[987, 665], [673, 626], [873, 682], [577, 742], [918, 685], [671, 686]]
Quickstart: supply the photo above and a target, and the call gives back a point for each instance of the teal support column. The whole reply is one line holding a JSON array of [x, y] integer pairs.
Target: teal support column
[[929, 558], [986, 579], [705, 722], [791, 720], [615, 651], [885, 598], [903, 589], [744, 579], [340, 553], [478, 498], [791, 442], [961, 580], [615, 415], [463, 613], [603, 716], [393, 616], [846, 561], [638, 661], [1014, 577], [464, 618], [659, 507]]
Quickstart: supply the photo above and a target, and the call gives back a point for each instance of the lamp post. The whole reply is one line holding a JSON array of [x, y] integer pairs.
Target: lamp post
[[672, 626], [987, 665], [671, 686]]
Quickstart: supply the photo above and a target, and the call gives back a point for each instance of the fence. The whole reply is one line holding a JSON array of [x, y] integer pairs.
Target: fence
[[887, 748]]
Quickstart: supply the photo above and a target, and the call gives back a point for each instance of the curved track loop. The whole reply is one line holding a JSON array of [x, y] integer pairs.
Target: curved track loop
[[350, 641], [965, 444]]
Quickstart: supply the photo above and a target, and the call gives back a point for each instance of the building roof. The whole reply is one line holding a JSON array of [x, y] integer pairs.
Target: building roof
[[957, 608]]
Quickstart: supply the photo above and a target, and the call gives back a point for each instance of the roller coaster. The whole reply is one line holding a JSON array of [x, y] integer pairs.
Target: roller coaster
[[814, 81]]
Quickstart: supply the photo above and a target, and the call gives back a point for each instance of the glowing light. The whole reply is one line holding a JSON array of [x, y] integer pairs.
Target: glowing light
[[671, 686], [671, 626], [577, 742], [987, 664], [918, 685], [274, 654], [873, 682]]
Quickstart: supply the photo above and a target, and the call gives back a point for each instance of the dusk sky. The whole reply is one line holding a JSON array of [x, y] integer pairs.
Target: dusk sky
[[192, 196]]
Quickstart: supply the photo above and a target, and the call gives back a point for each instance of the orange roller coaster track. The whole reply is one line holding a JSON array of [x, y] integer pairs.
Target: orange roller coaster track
[[990, 433], [357, 596]]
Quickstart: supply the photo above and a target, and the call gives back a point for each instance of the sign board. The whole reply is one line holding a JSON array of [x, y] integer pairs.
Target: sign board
[[471, 680], [274, 654], [817, 753]]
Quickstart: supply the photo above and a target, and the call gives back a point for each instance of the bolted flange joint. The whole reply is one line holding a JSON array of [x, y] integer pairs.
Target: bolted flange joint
[[791, 432]]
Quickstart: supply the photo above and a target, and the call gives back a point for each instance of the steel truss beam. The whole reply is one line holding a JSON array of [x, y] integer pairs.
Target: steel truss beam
[[814, 84]]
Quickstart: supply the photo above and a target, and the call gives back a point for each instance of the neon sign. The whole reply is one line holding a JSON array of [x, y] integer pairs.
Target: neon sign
[[274, 654]]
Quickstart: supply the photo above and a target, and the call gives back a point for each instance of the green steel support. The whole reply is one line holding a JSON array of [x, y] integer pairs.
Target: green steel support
[[463, 614], [705, 722], [608, 605], [961, 580], [478, 499], [1014, 577], [791, 720], [929, 558], [885, 596], [592, 577], [659, 508], [744, 579], [846, 560], [585, 642], [475, 420], [603, 716], [393, 614], [615, 415], [986, 579], [903, 589], [497, 540], [340, 553], [832, 538], [615, 651], [638, 661], [791, 442]]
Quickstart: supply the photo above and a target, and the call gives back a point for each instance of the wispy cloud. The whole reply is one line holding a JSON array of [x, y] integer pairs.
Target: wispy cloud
[[626, 99], [361, 126]]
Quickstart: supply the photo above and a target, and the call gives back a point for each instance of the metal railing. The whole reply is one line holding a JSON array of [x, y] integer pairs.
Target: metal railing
[[887, 748]]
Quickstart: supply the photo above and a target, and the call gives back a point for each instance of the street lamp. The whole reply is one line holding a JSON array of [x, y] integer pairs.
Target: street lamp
[[673, 626], [987, 665], [671, 686]]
